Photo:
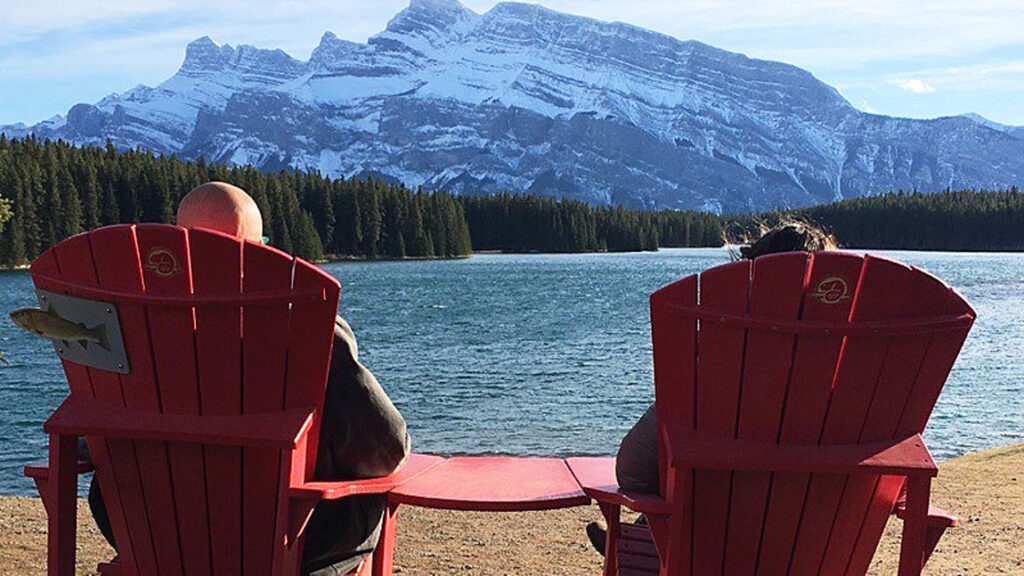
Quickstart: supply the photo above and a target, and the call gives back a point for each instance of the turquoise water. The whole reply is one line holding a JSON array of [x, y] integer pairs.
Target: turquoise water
[[549, 354]]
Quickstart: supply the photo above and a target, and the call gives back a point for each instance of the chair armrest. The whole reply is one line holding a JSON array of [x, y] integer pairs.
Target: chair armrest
[[903, 457], [42, 472], [937, 517], [597, 478], [415, 465], [86, 417]]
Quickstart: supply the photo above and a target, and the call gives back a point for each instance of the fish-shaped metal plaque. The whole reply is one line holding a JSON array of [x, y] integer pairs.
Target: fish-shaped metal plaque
[[83, 331]]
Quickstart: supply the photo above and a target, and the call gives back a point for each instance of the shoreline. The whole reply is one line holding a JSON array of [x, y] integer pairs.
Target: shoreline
[[984, 489], [332, 259]]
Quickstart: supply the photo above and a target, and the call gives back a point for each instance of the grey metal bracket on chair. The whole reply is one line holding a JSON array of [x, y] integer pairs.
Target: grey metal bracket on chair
[[98, 317]]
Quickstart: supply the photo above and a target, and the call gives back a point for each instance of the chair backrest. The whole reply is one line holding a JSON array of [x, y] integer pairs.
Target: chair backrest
[[211, 325], [797, 348]]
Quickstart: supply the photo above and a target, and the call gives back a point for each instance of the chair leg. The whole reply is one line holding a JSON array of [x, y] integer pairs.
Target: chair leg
[[43, 489], [384, 553], [611, 514], [62, 485], [914, 546], [932, 540]]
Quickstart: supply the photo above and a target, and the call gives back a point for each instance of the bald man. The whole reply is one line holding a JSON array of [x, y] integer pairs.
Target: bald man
[[362, 435]]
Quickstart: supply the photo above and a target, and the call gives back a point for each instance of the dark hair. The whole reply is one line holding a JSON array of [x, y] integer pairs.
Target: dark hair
[[789, 236]]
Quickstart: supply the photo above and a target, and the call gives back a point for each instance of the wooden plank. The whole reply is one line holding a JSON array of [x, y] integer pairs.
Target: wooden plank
[[905, 456], [285, 551], [167, 270], [281, 429], [217, 270], [310, 340], [637, 572], [810, 384], [675, 360], [884, 288], [719, 381], [61, 521], [777, 292], [414, 465], [119, 267], [637, 546], [942, 355], [493, 484], [934, 369], [639, 562], [675, 376], [899, 372], [118, 475], [596, 475], [264, 361]]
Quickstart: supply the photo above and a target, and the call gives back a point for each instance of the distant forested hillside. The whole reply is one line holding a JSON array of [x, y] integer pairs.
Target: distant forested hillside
[[53, 190], [964, 220], [528, 223], [50, 190]]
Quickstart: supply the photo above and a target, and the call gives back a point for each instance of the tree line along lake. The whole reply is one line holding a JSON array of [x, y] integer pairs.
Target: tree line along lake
[[549, 354], [51, 190]]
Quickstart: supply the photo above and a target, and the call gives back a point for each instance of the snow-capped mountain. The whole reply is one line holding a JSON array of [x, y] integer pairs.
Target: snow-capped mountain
[[523, 98]]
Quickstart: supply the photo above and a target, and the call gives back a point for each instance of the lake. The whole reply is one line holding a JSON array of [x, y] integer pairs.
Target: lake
[[548, 354]]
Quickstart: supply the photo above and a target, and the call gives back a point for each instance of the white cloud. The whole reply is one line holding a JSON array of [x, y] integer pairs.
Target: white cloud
[[914, 85]]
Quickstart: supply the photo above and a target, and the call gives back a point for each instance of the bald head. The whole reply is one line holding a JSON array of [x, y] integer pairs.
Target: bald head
[[222, 207]]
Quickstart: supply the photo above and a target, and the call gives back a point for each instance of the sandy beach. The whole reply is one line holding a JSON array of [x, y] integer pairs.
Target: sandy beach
[[985, 489]]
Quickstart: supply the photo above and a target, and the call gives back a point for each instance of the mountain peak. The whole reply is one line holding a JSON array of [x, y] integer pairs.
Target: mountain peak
[[205, 54], [438, 5], [332, 50], [429, 18]]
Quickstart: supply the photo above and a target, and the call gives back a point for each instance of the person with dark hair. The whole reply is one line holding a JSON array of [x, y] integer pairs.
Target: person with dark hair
[[789, 236], [636, 464]]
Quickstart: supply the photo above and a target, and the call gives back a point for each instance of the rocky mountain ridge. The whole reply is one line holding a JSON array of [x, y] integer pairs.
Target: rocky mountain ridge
[[523, 98]]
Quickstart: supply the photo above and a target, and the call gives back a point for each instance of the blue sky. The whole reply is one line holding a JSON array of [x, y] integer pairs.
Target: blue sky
[[899, 57]]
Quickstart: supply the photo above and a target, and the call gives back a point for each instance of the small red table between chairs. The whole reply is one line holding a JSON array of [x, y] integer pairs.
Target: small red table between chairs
[[481, 483]]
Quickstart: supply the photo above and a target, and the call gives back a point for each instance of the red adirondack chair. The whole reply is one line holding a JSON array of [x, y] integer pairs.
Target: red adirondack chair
[[200, 409], [791, 392]]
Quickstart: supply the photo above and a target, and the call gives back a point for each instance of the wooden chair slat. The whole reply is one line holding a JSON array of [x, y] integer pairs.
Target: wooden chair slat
[[675, 368], [803, 414], [173, 342], [264, 361], [777, 291], [638, 547], [868, 501], [639, 562], [636, 572], [885, 285], [310, 341], [934, 368], [719, 380], [115, 457], [148, 501], [216, 271]]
